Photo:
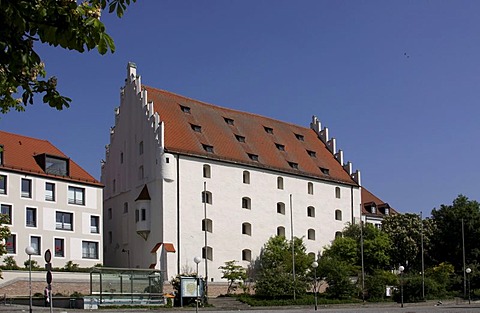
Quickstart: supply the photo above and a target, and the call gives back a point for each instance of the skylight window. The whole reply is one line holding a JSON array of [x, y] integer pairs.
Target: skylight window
[[311, 153], [280, 147], [300, 137], [185, 109], [229, 121], [240, 138], [196, 128], [325, 171], [253, 157], [208, 148], [268, 130], [293, 165]]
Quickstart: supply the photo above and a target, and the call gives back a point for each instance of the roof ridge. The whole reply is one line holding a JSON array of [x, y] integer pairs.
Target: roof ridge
[[227, 109], [25, 136]]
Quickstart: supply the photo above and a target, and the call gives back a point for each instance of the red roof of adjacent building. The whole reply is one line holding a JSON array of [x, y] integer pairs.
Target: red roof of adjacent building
[[19, 155], [368, 198], [192, 127]]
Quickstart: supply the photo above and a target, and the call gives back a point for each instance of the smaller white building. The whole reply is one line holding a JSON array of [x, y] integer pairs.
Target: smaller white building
[[51, 202]]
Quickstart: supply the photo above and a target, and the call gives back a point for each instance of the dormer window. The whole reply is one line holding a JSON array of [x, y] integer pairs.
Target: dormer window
[[280, 147], [311, 153], [253, 157], [196, 128], [208, 148], [300, 137], [229, 121], [240, 138], [324, 170], [293, 165], [185, 109], [268, 130], [53, 165]]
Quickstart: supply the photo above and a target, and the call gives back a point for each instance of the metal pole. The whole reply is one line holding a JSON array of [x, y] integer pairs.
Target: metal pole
[[315, 288], [361, 252], [464, 269], [469, 278], [196, 300], [30, 279], [401, 287], [423, 259], [293, 249]]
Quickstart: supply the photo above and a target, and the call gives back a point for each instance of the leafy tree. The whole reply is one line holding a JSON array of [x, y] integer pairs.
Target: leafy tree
[[377, 282], [405, 232], [275, 268], [10, 263], [447, 238], [71, 267], [233, 273], [337, 273], [64, 23], [34, 264]]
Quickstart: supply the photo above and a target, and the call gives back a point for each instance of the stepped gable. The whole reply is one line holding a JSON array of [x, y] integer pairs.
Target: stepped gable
[[19, 155], [196, 128]]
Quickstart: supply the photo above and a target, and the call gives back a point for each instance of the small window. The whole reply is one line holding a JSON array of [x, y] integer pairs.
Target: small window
[[229, 121], [337, 192], [281, 231], [338, 215], [110, 237], [49, 192], [31, 217], [95, 224], [246, 255], [279, 183], [293, 165], [89, 250], [281, 208], [76, 195], [338, 234], [311, 234], [110, 213], [325, 171], [207, 225], [310, 188], [310, 211], [7, 210], [56, 166], [114, 185], [59, 247], [247, 229], [253, 157], [311, 153], [3, 184], [280, 147], [121, 157], [11, 244], [140, 148], [206, 171], [125, 207], [144, 214], [137, 216], [64, 221], [36, 244], [185, 109], [246, 177], [206, 197], [246, 203], [26, 188], [208, 148], [268, 130], [208, 254], [300, 137], [196, 128], [240, 138]]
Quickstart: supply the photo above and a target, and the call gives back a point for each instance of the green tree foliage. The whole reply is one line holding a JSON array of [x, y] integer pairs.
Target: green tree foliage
[[33, 263], [447, 238], [4, 234], [69, 24], [10, 263], [337, 273], [405, 232], [275, 269], [71, 267], [233, 272], [376, 284]]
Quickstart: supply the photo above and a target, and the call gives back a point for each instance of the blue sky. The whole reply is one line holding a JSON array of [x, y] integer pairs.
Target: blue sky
[[396, 82]]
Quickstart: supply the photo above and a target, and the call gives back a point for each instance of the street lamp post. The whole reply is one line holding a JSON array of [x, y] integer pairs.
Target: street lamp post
[[315, 265], [468, 271], [196, 260], [30, 250], [401, 269]]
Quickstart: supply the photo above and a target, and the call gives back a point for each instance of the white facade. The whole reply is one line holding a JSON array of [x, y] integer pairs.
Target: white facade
[[46, 222], [247, 204]]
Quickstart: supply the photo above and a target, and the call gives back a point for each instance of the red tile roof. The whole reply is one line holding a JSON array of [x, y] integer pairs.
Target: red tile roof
[[368, 198], [19, 153], [169, 247], [217, 131]]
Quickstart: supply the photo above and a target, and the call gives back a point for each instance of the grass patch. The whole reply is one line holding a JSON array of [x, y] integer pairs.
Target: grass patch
[[308, 299]]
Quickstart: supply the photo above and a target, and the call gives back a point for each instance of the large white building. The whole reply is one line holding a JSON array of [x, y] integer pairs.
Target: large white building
[[51, 202], [185, 178]]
